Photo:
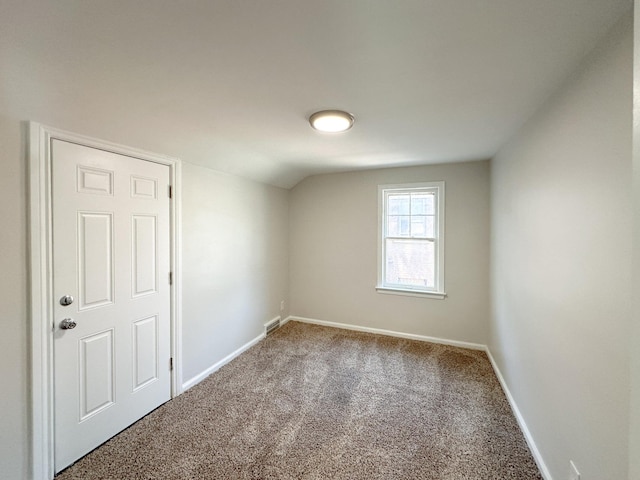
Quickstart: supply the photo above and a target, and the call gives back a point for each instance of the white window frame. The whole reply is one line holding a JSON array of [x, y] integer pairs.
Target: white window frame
[[437, 291]]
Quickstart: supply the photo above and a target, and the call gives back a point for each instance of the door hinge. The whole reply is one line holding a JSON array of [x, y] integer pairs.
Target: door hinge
[[170, 191], [171, 363], [170, 278]]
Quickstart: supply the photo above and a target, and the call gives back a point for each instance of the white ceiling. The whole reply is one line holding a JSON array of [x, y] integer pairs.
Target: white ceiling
[[229, 83]]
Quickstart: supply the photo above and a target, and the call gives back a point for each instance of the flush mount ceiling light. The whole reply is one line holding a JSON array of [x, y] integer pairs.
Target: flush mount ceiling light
[[331, 121]]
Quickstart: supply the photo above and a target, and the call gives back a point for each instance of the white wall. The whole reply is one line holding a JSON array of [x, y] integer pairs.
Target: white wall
[[334, 221], [634, 430], [561, 274], [13, 298], [235, 263]]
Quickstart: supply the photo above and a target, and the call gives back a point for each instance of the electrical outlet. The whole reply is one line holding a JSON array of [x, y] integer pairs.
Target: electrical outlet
[[574, 474], [282, 305]]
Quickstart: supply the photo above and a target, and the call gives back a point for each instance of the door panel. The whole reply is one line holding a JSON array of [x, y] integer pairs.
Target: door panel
[[143, 187], [94, 180], [96, 373], [145, 351], [111, 253], [95, 259], [144, 248]]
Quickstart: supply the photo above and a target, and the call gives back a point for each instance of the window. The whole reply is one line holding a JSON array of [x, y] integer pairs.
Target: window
[[411, 245]]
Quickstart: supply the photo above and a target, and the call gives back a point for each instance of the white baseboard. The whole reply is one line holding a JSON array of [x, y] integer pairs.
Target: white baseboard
[[544, 471], [390, 333], [216, 366]]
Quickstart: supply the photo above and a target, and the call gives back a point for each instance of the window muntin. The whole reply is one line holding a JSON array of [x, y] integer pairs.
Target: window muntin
[[411, 244]]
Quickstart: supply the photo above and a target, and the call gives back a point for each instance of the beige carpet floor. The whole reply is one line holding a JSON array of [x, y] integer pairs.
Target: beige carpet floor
[[312, 402]]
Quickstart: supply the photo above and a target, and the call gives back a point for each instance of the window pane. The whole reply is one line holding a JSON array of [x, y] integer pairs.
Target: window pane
[[399, 204], [410, 262], [423, 226], [423, 204], [399, 226]]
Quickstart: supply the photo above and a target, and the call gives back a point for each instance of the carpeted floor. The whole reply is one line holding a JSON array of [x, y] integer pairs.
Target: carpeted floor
[[312, 402]]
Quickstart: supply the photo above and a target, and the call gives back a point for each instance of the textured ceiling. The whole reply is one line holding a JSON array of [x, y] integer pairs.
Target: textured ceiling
[[229, 84]]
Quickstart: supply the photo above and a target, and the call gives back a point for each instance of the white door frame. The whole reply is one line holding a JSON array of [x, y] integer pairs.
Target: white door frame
[[41, 283]]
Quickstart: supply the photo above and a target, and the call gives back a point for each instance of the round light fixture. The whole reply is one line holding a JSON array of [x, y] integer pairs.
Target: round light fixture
[[331, 121]]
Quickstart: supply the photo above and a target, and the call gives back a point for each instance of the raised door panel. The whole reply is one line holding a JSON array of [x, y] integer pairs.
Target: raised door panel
[[145, 352], [95, 259], [142, 187], [97, 373], [95, 181], [144, 255]]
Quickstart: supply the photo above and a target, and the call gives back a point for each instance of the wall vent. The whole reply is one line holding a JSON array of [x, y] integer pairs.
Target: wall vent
[[272, 326]]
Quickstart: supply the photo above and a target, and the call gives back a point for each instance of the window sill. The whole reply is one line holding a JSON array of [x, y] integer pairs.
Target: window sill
[[411, 293]]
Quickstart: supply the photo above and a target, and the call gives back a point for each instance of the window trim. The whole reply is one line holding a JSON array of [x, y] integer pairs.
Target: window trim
[[438, 290]]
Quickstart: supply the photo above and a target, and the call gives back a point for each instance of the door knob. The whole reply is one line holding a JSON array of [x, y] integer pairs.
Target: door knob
[[68, 324], [66, 300]]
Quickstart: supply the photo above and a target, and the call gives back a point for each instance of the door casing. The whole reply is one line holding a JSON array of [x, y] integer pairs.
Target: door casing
[[41, 283]]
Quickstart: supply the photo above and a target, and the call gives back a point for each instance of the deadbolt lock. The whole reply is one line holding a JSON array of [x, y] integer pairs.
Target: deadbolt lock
[[66, 300]]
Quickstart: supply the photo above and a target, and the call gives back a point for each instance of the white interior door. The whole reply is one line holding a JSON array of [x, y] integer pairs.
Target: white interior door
[[111, 244]]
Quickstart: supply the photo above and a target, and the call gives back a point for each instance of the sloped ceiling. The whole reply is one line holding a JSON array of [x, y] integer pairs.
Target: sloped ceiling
[[229, 84]]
